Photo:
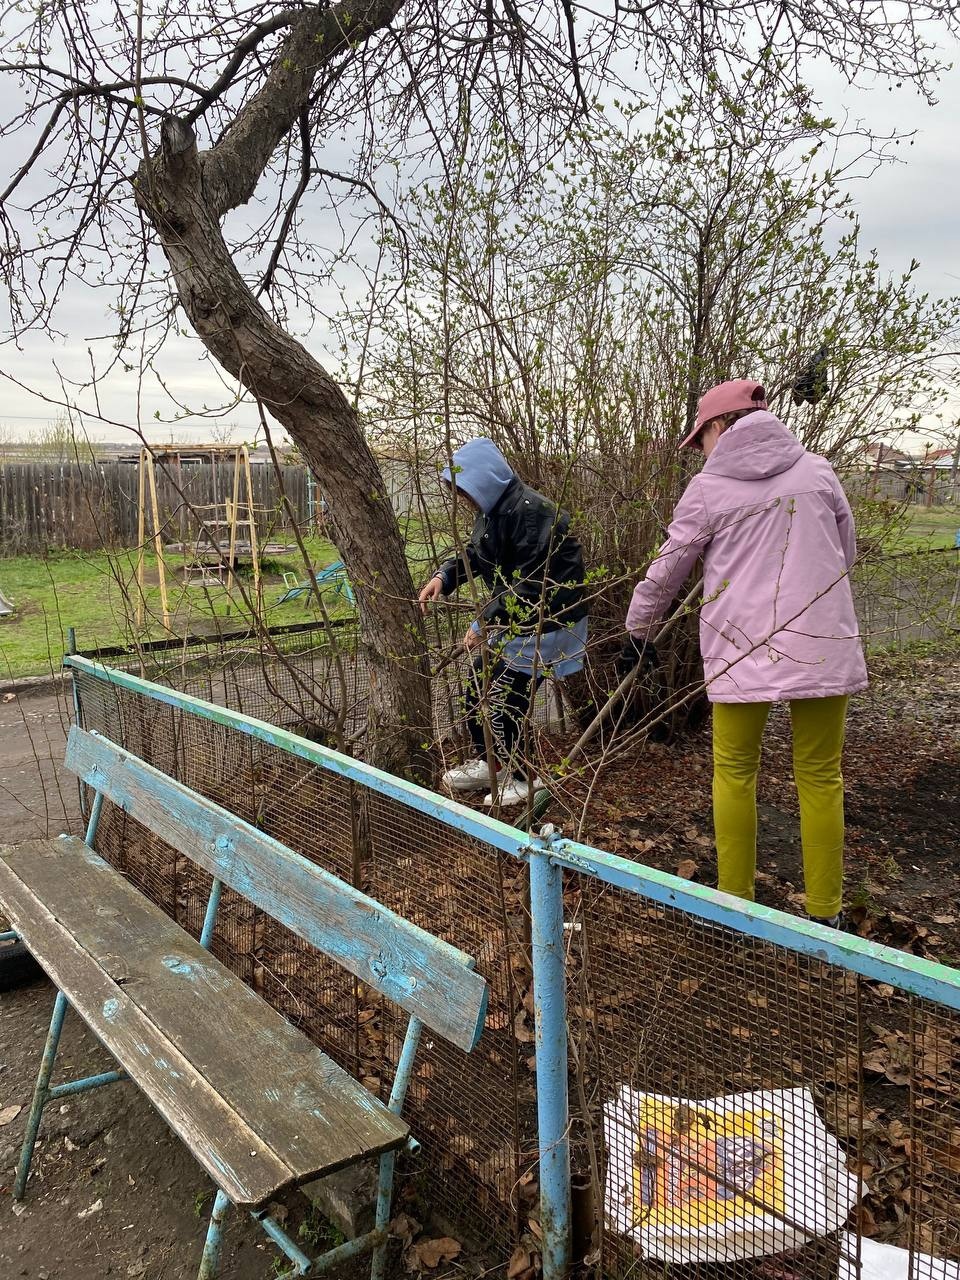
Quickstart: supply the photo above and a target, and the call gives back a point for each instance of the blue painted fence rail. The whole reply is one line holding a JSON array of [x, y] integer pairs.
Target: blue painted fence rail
[[548, 855]]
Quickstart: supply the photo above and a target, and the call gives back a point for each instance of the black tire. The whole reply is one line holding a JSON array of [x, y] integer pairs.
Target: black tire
[[17, 966]]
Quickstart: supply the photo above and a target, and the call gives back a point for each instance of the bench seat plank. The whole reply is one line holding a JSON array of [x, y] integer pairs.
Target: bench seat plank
[[261, 1106], [423, 974]]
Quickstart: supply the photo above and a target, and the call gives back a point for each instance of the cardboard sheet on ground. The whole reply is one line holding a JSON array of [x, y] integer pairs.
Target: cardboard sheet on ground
[[740, 1176], [887, 1262]]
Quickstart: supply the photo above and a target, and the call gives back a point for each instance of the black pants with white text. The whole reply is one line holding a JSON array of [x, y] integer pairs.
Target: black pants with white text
[[503, 699]]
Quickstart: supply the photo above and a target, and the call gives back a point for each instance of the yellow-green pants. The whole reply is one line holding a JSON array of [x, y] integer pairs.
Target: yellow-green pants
[[817, 725]]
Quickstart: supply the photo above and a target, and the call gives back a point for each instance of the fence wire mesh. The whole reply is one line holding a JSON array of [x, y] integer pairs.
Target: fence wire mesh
[[473, 1114], [709, 1069], [311, 678], [703, 1063]]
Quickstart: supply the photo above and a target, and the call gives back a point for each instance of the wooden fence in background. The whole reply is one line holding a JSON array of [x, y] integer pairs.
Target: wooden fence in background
[[86, 505]]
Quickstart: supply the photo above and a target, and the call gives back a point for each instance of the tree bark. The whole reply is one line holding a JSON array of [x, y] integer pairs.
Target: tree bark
[[185, 193]]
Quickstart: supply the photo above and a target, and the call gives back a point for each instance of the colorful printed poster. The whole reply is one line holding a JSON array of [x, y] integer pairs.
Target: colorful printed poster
[[734, 1177]]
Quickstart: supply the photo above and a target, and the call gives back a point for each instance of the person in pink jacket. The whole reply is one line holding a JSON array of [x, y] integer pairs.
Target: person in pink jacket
[[777, 624]]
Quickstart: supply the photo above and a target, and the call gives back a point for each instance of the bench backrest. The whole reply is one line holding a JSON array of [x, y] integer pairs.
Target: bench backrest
[[426, 976]]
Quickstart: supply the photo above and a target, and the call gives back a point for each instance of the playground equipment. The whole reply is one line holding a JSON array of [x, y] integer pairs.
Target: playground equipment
[[6, 606], [216, 544], [334, 575]]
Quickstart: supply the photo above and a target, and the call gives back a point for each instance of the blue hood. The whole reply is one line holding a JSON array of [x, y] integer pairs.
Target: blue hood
[[481, 471]]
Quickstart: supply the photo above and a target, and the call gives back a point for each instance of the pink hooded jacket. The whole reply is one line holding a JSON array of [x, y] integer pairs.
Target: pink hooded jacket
[[776, 534]]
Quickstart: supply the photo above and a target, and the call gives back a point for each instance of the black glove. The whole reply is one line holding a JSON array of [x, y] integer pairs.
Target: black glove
[[813, 381], [637, 652]]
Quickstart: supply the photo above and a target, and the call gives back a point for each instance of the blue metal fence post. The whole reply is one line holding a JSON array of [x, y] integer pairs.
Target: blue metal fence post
[[550, 1014], [77, 710]]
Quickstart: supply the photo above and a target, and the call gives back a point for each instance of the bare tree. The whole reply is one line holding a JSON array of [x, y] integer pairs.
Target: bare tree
[[208, 113]]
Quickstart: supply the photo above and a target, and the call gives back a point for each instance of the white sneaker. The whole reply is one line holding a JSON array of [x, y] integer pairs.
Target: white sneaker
[[514, 791], [474, 775]]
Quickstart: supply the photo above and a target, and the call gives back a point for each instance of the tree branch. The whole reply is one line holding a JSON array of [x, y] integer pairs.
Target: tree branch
[[233, 167]]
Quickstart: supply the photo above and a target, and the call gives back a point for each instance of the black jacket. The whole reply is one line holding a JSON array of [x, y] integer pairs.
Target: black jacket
[[523, 551]]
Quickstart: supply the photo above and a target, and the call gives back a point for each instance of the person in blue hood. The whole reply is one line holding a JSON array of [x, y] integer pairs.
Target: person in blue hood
[[522, 551]]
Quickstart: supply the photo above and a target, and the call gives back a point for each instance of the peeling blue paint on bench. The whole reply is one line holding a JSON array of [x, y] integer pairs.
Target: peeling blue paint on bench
[[421, 973]]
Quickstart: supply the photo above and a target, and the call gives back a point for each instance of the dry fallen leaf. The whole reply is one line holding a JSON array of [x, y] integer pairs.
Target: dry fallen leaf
[[404, 1227], [521, 1029], [9, 697], [9, 1113], [428, 1254], [687, 869], [497, 1021], [521, 1265]]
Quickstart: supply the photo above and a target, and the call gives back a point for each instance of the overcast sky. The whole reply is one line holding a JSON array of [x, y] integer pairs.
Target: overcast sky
[[906, 210]]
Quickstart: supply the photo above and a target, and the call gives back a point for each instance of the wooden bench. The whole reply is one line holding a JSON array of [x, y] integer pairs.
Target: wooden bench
[[260, 1107]]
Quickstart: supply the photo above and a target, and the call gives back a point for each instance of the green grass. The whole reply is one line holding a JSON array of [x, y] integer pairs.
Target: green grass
[[927, 528], [96, 592]]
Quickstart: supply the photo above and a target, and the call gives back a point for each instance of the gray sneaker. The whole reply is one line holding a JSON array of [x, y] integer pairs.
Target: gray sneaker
[[512, 791], [830, 922], [472, 775]]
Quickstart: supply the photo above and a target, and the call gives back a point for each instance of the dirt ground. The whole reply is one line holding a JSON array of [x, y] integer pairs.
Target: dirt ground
[[36, 795], [901, 773], [113, 1193]]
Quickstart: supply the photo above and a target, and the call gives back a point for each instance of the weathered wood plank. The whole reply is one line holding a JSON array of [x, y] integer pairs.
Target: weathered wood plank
[[422, 974], [242, 1046], [260, 1106]]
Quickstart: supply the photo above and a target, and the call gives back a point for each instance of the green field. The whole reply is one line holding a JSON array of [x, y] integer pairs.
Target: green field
[[96, 592], [929, 527]]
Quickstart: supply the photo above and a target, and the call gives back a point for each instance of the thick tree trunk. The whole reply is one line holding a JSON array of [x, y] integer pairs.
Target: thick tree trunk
[[173, 192]]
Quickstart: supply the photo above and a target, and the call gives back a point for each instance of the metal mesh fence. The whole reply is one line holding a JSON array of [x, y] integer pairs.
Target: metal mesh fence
[[710, 1068], [912, 596], [310, 678], [927, 1142], [697, 1050], [473, 1113], [706, 1063]]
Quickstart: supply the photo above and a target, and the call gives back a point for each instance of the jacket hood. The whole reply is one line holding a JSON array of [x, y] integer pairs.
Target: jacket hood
[[481, 471], [757, 446]]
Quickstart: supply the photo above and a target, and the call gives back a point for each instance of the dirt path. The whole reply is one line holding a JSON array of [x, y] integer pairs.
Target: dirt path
[[37, 797]]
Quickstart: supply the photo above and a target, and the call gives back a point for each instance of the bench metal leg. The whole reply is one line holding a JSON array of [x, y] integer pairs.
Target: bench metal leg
[[378, 1264], [301, 1263], [210, 1262], [41, 1094], [88, 1082], [398, 1094]]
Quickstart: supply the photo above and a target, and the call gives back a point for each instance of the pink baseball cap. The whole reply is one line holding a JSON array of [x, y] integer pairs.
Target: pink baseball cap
[[742, 393]]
